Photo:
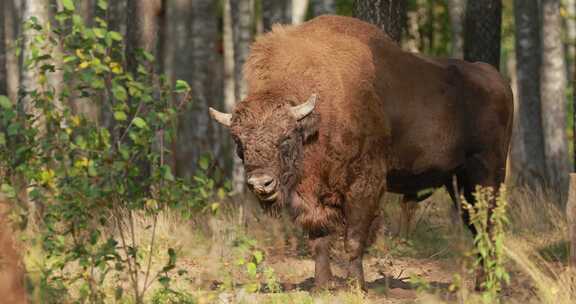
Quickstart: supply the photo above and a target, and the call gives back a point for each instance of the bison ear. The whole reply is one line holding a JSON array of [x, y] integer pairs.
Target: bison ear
[[224, 118], [301, 111]]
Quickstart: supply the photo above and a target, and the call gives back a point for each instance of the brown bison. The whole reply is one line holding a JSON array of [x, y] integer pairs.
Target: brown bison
[[337, 114]]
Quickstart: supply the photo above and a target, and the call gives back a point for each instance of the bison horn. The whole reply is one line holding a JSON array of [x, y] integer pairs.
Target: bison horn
[[301, 111], [223, 118]]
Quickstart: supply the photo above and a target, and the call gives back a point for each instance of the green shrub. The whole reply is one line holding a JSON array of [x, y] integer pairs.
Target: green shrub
[[488, 216], [88, 181]]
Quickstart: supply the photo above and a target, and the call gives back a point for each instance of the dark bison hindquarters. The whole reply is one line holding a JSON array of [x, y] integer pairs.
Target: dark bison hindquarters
[[337, 114]]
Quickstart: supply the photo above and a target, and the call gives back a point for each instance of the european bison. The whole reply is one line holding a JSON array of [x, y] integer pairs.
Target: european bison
[[337, 114]]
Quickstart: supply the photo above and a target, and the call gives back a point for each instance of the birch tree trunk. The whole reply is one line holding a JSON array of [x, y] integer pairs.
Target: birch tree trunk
[[3, 74], [276, 11], [11, 20], [228, 41], [570, 25], [299, 10], [28, 76], [527, 152], [571, 221], [322, 7], [242, 13], [552, 87], [482, 31], [389, 15], [456, 9]]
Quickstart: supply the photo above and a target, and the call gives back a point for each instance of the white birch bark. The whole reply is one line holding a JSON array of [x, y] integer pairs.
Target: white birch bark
[[299, 10], [552, 86], [456, 9]]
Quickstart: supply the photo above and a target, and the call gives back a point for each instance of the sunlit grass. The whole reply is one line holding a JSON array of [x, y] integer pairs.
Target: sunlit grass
[[535, 248]]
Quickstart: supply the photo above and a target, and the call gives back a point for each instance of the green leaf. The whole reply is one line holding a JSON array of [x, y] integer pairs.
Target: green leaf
[[99, 32], [251, 269], [140, 123], [68, 4], [119, 92], [103, 4], [181, 86], [8, 190], [5, 102], [204, 162], [68, 59], [167, 173], [120, 116], [259, 256], [115, 36], [2, 139]]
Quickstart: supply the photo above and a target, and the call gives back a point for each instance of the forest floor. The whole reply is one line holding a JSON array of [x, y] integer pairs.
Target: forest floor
[[430, 266]]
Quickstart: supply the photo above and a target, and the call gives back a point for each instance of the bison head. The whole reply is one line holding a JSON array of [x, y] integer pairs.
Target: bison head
[[269, 137]]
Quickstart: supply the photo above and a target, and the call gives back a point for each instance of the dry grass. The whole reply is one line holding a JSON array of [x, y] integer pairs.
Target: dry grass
[[435, 254]]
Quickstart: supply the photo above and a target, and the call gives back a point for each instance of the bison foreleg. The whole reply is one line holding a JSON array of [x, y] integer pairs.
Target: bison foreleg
[[359, 219], [320, 245]]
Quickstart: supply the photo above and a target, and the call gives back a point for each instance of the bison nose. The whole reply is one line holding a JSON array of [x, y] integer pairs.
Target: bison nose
[[262, 184]]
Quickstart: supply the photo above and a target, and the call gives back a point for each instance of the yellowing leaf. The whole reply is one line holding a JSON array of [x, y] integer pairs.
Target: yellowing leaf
[[47, 176], [75, 120], [120, 116], [84, 65], [115, 67], [79, 53]]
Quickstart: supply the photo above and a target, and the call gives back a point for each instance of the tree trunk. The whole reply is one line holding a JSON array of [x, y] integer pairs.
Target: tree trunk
[[86, 106], [299, 10], [28, 76], [456, 9], [3, 74], [195, 35], [413, 40], [142, 30], [229, 95], [482, 31], [117, 16], [277, 11], [571, 220], [389, 15], [527, 153], [322, 7], [552, 88], [242, 15], [12, 14], [570, 25]]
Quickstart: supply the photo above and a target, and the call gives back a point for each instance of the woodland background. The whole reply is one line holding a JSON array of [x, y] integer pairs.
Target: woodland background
[[205, 43], [227, 250]]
